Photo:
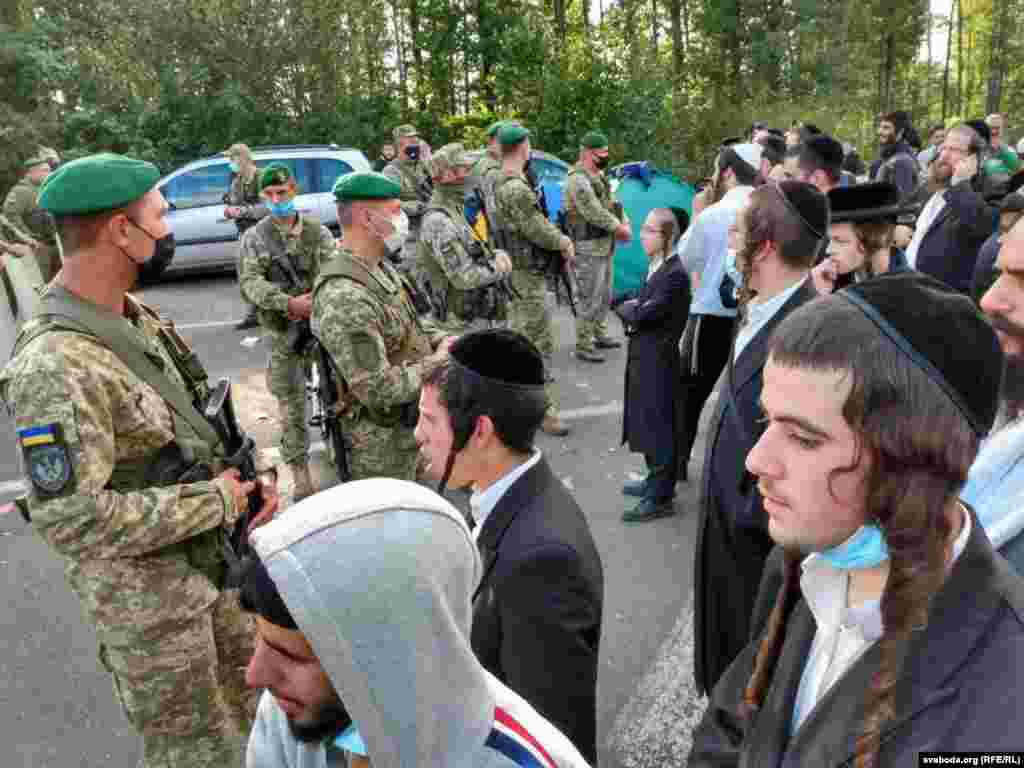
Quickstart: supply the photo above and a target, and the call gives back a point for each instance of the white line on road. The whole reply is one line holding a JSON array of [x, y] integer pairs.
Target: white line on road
[[10, 489], [200, 326], [604, 409]]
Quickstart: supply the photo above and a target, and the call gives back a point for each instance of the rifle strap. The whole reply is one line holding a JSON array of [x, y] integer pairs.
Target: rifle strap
[[128, 343]]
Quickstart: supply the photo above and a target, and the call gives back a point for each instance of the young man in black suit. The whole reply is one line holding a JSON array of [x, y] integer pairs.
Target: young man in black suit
[[779, 234], [537, 609]]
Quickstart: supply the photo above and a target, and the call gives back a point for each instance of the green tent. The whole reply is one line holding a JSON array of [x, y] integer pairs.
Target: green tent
[[641, 188]]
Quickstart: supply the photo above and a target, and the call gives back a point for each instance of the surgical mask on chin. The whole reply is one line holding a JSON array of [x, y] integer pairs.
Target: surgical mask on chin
[[351, 741], [281, 210], [233, 166], [866, 548]]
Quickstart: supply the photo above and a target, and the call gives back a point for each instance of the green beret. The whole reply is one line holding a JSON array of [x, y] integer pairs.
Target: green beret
[[493, 128], [594, 140], [96, 183], [275, 173], [368, 185], [510, 134]]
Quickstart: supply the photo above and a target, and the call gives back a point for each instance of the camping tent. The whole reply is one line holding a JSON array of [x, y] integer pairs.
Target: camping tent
[[641, 188]]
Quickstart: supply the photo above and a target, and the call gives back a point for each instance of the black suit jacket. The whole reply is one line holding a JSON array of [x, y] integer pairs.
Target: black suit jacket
[[732, 538], [537, 610]]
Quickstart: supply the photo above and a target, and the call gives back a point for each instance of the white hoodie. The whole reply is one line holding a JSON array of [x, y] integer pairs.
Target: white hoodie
[[378, 576]]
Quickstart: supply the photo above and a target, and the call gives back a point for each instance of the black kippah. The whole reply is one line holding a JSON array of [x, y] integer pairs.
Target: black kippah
[[808, 203], [826, 151], [942, 332], [259, 595], [982, 128], [500, 356]]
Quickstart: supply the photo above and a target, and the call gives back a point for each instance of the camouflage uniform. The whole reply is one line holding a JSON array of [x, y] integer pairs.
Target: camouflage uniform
[[523, 225], [304, 247], [588, 210], [414, 178], [458, 281], [369, 326], [486, 175], [245, 194], [144, 560], [21, 210]]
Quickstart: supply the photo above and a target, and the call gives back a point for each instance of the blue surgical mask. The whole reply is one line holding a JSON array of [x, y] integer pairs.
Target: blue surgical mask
[[413, 152], [233, 166], [866, 548], [287, 208], [732, 270], [351, 741]]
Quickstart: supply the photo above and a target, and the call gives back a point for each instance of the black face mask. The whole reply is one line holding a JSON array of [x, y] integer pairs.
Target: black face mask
[[413, 152], [163, 253], [601, 162]]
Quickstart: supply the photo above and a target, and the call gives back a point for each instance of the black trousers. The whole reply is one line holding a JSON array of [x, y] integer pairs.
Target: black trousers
[[705, 351]]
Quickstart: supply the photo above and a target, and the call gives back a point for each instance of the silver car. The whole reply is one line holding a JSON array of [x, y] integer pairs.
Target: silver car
[[205, 240]]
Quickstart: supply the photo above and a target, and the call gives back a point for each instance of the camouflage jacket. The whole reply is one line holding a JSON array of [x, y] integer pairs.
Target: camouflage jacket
[[246, 195], [414, 176], [22, 210], [520, 220], [588, 201], [11, 233], [303, 248], [373, 335], [126, 546]]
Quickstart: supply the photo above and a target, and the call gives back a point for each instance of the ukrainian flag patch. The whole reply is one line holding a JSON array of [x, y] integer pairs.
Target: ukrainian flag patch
[[47, 459]]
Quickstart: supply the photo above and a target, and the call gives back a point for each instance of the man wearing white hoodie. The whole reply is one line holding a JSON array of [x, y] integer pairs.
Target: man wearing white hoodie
[[362, 596]]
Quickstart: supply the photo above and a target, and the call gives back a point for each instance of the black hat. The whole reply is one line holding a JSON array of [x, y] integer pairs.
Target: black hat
[[982, 128], [682, 219], [730, 140], [824, 151], [1012, 203], [501, 357], [259, 595], [807, 203], [942, 333], [1016, 182], [866, 202]]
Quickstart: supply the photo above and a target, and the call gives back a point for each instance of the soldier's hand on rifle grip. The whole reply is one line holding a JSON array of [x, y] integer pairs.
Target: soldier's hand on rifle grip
[[239, 489], [568, 252], [502, 263], [300, 307], [271, 501]]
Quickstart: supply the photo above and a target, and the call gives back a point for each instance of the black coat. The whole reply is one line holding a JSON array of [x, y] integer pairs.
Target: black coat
[[537, 610], [732, 533], [962, 688], [950, 247], [654, 325]]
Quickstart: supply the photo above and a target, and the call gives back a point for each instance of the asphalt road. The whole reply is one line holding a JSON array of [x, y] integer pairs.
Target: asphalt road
[[56, 705]]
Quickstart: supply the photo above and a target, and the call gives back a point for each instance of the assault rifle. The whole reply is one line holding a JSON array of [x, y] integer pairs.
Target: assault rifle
[[323, 392]]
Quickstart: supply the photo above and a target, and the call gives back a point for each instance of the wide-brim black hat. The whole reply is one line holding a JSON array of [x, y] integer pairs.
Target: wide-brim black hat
[[877, 201]]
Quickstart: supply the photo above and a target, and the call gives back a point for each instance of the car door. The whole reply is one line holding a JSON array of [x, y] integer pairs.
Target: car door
[[203, 237]]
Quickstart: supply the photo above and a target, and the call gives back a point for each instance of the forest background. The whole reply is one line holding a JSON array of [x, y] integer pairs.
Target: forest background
[[666, 79]]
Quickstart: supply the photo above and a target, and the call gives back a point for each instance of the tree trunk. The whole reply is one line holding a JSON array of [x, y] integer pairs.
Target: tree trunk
[[632, 35], [675, 8], [841, 52], [945, 73], [400, 61], [997, 66], [585, 10], [654, 31], [417, 52], [960, 59], [558, 7]]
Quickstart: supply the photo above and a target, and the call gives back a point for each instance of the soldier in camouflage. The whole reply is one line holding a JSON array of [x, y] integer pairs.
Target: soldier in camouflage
[[245, 207], [281, 257], [365, 316], [126, 485], [462, 272], [522, 228], [594, 229], [20, 245], [22, 210], [486, 172], [409, 170]]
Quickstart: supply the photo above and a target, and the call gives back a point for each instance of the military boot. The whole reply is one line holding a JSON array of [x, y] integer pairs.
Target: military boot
[[303, 485]]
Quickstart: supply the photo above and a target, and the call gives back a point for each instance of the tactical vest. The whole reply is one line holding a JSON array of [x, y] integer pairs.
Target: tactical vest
[[415, 344], [302, 272], [522, 252], [576, 226], [476, 303], [196, 446]]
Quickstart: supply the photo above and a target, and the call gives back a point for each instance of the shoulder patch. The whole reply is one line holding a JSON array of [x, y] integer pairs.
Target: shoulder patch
[[47, 460], [364, 352]]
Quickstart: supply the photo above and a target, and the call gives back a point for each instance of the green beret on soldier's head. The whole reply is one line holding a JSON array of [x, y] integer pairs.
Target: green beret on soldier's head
[[96, 183], [512, 133], [275, 173], [447, 157], [493, 128], [594, 140], [367, 185], [405, 130]]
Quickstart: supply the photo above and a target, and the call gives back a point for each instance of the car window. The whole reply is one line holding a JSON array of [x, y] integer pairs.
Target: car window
[[200, 187], [548, 170], [302, 169], [328, 172]]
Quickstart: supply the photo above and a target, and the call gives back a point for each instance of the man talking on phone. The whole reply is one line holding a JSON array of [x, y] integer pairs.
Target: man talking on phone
[[955, 220]]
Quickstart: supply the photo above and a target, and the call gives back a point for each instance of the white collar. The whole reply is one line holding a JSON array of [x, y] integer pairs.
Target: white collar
[[482, 503]]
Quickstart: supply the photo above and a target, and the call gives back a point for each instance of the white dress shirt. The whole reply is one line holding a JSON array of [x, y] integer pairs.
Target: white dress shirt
[[844, 633], [925, 220], [482, 503], [758, 313]]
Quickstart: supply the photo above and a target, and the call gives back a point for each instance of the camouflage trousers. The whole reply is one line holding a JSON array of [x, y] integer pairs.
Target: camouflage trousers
[[286, 380], [185, 692], [594, 285], [530, 316], [378, 451]]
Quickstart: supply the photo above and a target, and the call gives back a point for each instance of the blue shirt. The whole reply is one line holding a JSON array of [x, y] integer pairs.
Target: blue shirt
[[759, 313], [702, 251], [482, 503]]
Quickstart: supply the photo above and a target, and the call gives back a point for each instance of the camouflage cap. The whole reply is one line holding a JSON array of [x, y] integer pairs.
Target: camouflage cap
[[447, 157], [512, 133], [96, 183], [40, 156], [275, 173], [594, 140], [368, 185], [404, 130]]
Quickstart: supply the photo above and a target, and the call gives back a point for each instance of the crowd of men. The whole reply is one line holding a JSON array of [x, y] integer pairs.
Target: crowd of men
[[862, 470]]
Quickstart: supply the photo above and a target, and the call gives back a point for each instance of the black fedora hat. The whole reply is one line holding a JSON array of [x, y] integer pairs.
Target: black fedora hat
[[866, 202]]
